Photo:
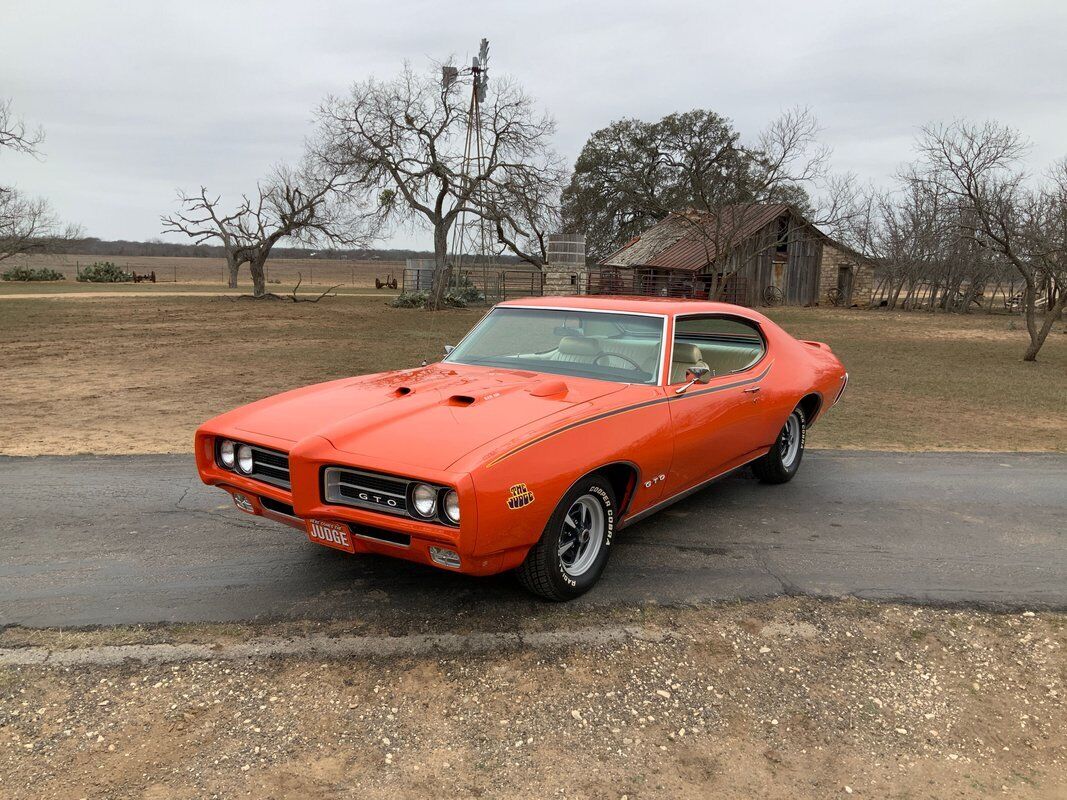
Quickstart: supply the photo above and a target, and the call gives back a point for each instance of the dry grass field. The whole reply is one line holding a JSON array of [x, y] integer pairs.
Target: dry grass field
[[313, 271], [137, 374]]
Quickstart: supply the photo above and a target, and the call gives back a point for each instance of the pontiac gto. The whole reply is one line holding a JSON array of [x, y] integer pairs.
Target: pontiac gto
[[554, 423]]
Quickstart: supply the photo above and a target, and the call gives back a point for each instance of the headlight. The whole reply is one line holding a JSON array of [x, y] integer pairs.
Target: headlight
[[452, 506], [424, 498], [244, 459], [227, 454]]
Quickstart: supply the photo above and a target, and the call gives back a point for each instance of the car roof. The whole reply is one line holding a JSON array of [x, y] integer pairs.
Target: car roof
[[637, 305]]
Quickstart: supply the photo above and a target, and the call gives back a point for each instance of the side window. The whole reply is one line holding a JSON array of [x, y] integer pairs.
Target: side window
[[723, 344]]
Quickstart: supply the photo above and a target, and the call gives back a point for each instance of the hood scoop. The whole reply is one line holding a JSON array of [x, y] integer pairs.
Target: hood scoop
[[549, 389], [401, 391], [460, 400]]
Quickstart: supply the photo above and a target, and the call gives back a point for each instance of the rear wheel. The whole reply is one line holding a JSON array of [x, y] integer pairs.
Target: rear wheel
[[783, 460], [573, 549]]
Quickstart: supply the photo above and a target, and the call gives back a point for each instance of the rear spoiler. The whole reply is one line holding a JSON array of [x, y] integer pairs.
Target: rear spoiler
[[817, 345]]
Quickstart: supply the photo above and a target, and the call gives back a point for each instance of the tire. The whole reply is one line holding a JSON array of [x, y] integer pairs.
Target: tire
[[783, 459], [573, 549]]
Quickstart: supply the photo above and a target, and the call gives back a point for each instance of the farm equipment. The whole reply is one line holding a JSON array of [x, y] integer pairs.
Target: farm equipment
[[388, 282]]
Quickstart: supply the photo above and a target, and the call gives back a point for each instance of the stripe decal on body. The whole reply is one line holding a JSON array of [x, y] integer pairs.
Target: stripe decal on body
[[627, 409]]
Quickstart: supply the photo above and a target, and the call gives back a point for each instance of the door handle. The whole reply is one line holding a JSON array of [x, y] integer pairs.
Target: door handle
[[751, 390]]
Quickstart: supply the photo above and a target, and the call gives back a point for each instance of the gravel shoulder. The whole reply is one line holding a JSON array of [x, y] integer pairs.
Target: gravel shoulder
[[788, 698]]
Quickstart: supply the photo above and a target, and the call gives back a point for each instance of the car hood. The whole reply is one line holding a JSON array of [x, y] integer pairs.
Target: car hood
[[427, 417]]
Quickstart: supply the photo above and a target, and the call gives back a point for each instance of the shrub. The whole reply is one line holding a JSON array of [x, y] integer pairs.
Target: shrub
[[410, 300], [454, 298], [460, 294], [466, 293], [27, 274], [104, 272]]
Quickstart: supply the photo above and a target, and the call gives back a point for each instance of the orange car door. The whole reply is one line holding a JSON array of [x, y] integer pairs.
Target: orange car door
[[716, 425]]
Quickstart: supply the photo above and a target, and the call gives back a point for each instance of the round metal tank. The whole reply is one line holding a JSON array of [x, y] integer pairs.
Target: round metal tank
[[566, 249]]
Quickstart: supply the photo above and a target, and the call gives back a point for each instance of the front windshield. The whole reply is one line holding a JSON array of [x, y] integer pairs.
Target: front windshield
[[624, 348]]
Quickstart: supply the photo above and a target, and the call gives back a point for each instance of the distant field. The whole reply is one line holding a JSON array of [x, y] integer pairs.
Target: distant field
[[137, 374], [313, 271]]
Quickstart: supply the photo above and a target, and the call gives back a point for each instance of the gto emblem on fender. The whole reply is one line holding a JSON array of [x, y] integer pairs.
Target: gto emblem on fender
[[654, 481], [520, 496]]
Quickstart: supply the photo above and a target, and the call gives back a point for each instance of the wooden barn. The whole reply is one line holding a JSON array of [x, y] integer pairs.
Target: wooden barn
[[759, 254]]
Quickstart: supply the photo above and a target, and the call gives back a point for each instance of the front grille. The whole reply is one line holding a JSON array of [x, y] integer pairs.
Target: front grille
[[270, 466], [350, 487]]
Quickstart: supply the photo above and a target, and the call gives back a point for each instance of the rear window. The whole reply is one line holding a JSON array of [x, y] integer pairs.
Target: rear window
[[727, 328]]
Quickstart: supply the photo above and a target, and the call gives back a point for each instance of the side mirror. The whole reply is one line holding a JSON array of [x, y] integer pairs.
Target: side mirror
[[695, 375], [449, 348]]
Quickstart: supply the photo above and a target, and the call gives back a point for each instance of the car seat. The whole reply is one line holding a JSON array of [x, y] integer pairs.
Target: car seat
[[684, 357]]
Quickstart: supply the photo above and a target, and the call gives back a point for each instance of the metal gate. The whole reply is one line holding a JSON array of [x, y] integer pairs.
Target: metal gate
[[521, 283]]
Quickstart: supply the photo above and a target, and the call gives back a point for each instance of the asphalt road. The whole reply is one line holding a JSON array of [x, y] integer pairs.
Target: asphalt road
[[108, 540]]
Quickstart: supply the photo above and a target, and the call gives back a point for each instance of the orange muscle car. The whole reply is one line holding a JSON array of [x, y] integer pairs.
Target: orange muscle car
[[552, 424]]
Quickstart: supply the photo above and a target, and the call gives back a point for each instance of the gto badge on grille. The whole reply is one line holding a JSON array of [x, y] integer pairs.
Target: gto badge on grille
[[520, 496]]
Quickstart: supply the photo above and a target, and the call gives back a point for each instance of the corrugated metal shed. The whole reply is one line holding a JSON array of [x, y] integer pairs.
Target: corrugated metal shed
[[691, 240]]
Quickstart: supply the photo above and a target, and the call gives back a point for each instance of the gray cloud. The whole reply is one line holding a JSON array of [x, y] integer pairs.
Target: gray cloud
[[139, 99]]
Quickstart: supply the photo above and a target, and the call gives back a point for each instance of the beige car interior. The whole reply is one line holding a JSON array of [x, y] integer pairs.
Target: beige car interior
[[607, 352], [685, 357], [721, 357]]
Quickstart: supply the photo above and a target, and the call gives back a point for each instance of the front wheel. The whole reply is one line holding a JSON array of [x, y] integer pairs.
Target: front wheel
[[783, 460], [573, 549]]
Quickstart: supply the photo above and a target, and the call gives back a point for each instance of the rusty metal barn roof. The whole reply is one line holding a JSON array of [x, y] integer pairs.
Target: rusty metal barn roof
[[690, 240]]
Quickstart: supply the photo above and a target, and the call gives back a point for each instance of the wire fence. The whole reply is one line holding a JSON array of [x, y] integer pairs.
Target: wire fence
[[281, 271]]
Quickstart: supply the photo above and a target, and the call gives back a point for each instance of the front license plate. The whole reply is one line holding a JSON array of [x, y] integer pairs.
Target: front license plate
[[331, 534]]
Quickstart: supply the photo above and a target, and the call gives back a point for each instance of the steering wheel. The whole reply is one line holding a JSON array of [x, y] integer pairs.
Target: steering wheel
[[636, 366]]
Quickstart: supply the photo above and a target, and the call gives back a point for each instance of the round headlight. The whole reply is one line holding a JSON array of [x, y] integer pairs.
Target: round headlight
[[452, 506], [424, 498], [227, 453], [244, 459]]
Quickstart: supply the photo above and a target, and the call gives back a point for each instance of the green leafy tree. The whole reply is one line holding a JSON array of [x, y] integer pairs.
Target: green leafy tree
[[633, 173]]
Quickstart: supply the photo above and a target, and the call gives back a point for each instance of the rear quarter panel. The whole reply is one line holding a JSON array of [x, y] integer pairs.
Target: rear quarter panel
[[801, 368]]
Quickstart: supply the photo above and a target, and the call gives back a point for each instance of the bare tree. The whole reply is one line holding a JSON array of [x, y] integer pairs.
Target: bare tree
[[299, 205], [402, 144], [1023, 222], [14, 135], [27, 224], [201, 220]]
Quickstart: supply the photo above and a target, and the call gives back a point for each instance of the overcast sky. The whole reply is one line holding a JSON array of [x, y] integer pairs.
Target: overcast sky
[[140, 98]]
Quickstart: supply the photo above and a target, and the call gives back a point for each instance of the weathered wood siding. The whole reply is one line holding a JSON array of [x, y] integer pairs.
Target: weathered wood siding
[[755, 263], [802, 272]]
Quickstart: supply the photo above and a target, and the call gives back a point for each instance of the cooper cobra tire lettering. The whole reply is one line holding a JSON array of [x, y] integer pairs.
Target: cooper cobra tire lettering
[[544, 571]]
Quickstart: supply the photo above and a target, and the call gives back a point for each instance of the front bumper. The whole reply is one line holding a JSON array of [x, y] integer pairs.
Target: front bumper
[[306, 462]]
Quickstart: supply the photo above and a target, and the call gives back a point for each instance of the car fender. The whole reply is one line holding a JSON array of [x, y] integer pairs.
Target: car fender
[[519, 489]]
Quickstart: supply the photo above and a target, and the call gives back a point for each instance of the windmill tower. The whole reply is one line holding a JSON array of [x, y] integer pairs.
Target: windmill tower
[[472, 236]]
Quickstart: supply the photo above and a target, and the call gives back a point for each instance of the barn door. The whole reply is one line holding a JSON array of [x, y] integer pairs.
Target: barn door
[[844, 286]]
